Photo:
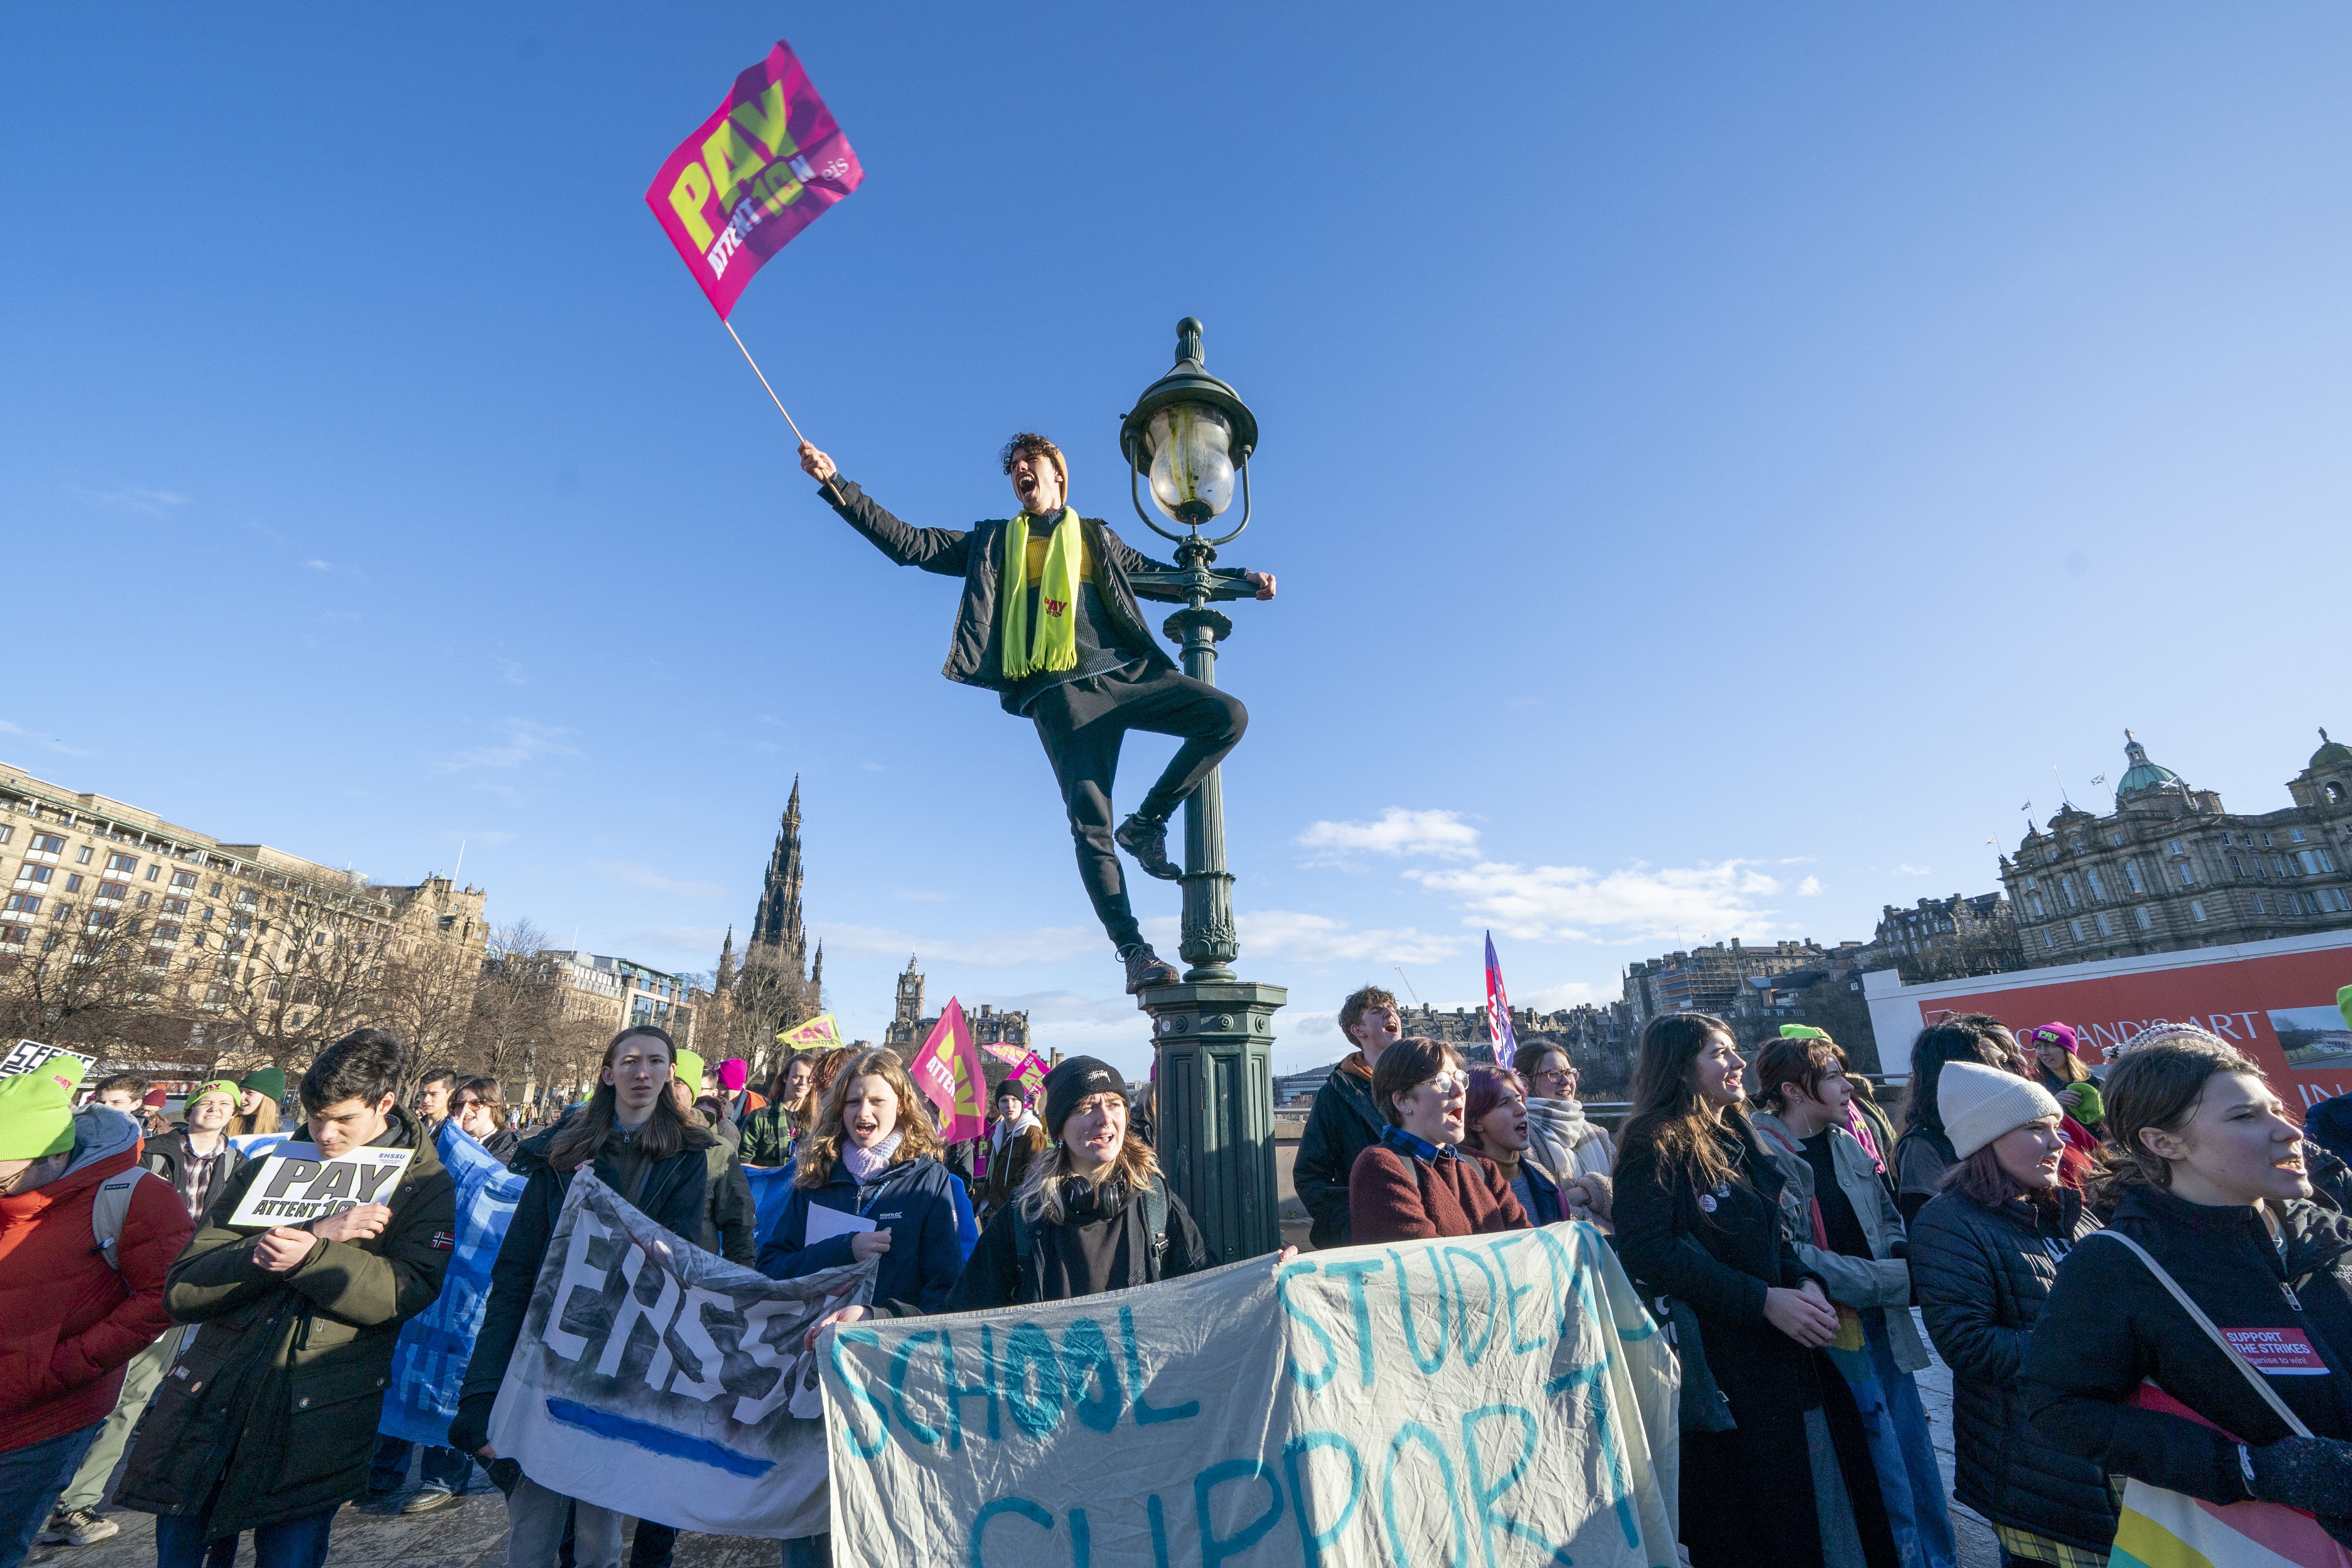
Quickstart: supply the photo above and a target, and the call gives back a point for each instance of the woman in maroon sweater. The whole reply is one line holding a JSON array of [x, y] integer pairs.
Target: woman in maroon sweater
[[1418, 1182]]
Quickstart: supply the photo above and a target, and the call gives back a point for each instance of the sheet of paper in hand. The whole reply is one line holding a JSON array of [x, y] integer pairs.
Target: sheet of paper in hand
[[1495, 1399], [299, 1184], [26, 1054], [660, 1380]]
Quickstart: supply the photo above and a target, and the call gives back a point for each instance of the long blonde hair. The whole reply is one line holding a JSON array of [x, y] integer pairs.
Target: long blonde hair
[[1044, 1193], [263, 1119], [821, 1145]]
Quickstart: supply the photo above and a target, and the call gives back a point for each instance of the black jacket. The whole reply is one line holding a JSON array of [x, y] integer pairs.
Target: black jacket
[[975, 653], [502, 1144], [1341, 1126], [912, 1200], [1678, 1246], [270, 1410], [2109, 1324], [170, 1158], [674, 1196], [1920, 1159], [1005, 1273], [1981, 1276]]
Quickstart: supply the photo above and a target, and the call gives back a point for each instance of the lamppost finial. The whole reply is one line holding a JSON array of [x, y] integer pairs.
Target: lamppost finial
[[1188, 342]]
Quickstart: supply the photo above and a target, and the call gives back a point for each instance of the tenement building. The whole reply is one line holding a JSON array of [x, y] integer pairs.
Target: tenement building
[[910, 1026], [1710, 979], [2170, 869], [1948, 939], [165, 938]]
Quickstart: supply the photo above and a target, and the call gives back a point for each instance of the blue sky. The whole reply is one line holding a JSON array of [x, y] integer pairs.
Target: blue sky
[[1716, 459]]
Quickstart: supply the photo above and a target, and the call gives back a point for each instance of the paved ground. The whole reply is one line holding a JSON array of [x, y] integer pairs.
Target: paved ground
[[472, 1531]]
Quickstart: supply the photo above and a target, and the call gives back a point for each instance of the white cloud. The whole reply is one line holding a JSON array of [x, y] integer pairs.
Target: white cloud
[[512, 673], [653, 881], [1634, 903], [526, 741], [1320, 938], [1042, 944], [1398, 832], [1810, 887], [148, 503], [320, 565], [1915, 870]]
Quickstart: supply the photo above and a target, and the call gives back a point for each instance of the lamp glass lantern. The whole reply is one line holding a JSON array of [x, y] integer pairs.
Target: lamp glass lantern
[[1192, 436]]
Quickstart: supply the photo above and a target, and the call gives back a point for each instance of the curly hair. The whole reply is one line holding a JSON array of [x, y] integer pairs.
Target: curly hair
[[1037, 446], [822, 1146]]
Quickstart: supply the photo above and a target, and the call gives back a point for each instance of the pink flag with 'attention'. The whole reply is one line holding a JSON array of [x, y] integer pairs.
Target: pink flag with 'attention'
[[947, 1070], [761, 169]]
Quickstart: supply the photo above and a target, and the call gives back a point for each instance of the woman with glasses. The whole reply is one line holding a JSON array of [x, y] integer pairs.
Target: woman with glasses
[[1418, 1182], [1564, 1140]]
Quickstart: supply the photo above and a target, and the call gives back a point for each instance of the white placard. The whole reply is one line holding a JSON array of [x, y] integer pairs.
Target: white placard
[[26, 1054], [298, 1183], [824, 1223]]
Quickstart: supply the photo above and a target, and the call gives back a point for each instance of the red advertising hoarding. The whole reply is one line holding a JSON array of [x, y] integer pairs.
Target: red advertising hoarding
[[2274, 1000]]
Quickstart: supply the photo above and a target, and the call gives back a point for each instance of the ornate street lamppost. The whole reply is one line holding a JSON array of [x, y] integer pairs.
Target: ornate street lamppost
[[1190, 436]]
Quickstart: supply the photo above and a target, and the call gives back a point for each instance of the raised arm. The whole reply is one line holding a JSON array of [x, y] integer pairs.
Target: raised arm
[[940, 549]]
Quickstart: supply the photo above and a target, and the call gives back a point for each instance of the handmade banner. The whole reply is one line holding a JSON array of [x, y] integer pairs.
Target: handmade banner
[[655, 1378], [429, 1362], [26, 1054], [947, 1070], [762, 168], [298, 1183], [1496, 1399], [820, 1033]]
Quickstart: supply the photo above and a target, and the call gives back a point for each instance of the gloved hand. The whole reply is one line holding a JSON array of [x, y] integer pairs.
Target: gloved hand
[[471, 1429], [2313, 1474]]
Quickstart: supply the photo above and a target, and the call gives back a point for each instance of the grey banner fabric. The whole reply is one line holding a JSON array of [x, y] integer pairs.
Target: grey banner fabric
[[659, 1380], [1497, 1399]]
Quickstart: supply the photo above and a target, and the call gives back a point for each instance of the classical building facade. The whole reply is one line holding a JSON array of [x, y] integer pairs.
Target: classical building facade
[[1710, 979], [2169, 867], [227, 952], [911, 1025], [1948, 939]]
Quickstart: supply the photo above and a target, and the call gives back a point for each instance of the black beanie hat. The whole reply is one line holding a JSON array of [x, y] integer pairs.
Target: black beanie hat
[[1073, 1081]]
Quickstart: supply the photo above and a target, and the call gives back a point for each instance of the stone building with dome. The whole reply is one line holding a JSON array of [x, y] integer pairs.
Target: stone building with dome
[[2171, 868]]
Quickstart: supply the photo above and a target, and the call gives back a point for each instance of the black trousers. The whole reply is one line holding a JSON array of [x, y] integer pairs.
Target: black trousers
[[1082, 723]]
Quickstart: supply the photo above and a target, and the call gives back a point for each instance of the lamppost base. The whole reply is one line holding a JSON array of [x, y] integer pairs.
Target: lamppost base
[[1214, 1041]]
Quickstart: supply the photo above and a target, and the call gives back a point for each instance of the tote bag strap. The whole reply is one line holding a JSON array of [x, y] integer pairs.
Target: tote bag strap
[[2196, 1314]]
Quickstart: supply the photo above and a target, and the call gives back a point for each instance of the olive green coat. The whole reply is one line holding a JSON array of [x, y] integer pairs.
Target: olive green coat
[[276, 1399]]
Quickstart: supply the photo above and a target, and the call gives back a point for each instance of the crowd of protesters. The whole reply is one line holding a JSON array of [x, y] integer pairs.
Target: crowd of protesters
[[2069, 1234]]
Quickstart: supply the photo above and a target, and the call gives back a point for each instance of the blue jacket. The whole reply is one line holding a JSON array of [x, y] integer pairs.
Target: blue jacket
[[914, 1200]]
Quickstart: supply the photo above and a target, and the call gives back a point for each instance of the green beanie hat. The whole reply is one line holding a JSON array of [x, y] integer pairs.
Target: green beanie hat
[[1804, 1032], [267, 1082], [687, 1069], [218, 1086], [36, 1110], [2343, 1005]]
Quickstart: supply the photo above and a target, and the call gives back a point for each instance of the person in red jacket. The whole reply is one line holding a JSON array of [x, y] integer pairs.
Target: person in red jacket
[[69, 1319], [1418, 1182]]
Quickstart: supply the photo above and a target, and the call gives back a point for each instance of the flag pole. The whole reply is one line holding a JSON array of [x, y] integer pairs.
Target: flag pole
[[763, 377]]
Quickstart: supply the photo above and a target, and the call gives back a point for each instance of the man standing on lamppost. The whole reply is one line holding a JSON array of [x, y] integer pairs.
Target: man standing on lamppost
[[1066, 647]]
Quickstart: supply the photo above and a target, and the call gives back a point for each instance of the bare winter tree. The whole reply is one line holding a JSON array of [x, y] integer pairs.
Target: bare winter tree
[[83, 980], [287, 970]]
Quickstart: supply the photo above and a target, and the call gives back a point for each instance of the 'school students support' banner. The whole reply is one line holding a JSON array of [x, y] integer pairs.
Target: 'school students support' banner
[[429, 1362], [1499, 1399], [762, 168], [662, 1381]]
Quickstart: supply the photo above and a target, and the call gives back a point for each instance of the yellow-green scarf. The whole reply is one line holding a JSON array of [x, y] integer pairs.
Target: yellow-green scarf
[[1053, 642]]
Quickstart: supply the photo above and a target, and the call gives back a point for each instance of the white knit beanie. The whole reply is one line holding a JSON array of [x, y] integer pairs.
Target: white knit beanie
[[1980, 1103]]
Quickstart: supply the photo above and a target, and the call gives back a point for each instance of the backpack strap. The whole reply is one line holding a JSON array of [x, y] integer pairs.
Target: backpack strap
[[108, 1210], [1155, 1214]]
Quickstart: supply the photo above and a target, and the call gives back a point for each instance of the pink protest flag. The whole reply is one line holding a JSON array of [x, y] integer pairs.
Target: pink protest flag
[[760, 169], [947, 1069]]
